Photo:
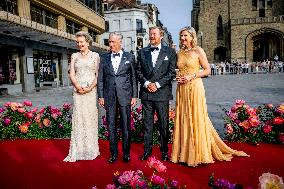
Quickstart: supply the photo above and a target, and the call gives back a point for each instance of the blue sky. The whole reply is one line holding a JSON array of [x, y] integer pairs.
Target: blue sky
[[173, 14]]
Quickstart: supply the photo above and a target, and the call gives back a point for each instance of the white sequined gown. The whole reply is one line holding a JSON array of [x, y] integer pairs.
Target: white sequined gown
[[84, 135]]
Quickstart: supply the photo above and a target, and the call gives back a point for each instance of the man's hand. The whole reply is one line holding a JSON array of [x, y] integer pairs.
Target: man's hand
[[133, 102], [152, 87], [102, 102]]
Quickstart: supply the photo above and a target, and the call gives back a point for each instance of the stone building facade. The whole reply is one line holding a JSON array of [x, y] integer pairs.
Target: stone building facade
[[132, 19], [251, 30], [37, 40]]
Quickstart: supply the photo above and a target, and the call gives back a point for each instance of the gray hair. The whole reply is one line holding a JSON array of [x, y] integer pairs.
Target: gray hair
[[119, 35], [192, 32], [87, 36]]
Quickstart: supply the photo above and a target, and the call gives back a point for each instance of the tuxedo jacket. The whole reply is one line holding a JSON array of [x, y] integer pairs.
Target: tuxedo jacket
[[122, 85], [163, 73]]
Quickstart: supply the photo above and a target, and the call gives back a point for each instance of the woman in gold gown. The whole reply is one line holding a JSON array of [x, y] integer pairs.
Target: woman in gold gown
[[195, 141]]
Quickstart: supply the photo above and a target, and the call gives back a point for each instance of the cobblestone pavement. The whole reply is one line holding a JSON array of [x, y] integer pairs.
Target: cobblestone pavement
[[221, 92]]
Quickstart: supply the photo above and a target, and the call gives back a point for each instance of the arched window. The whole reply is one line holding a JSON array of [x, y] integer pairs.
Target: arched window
[[220, 28]]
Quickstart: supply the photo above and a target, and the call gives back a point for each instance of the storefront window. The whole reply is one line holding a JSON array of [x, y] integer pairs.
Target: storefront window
[[8, 65], [46, 66]]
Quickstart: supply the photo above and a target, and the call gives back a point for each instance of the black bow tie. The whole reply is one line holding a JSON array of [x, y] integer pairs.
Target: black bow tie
[[116, 54], [154, 49]]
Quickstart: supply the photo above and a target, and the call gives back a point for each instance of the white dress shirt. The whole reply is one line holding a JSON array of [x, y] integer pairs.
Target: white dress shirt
[[115, 60], [155, 55]]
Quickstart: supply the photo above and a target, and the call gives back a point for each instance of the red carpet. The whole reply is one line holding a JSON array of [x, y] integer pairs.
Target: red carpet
[[37, 164]]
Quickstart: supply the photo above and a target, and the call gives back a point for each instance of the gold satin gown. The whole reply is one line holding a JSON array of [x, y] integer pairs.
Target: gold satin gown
[[195, 141]]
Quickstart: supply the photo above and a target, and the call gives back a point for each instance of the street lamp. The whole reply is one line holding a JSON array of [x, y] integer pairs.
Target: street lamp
[[201, 36]]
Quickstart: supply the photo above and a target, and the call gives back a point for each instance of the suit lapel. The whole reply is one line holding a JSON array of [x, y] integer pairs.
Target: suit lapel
[[109, 63], [161, 57], [148, 58], [122, 62]]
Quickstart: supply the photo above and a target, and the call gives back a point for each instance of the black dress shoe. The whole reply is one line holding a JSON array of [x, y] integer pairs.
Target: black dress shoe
[[145, 156], [165, 157], [112, 159], [126, 158]]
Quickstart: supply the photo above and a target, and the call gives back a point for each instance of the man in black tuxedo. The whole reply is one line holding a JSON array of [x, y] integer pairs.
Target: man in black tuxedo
[[155, 70], [117, 90]]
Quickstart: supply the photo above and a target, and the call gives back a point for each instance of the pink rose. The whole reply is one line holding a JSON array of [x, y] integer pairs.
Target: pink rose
[[156, 164], [278, 120], [34, 110], [254, 121], [37, 118], [46, 122], [157, 180], [54, 115], [240, 101], [66, 106], [28, 103], [229, 128], [269, 106], [126, 177], [251, 111], [29, 115], [245, 124], [267, 128], [7, 104], [110, 186], [24, 128], [21, 110], [42, 110], [281, 137], [134, 181], [6, 121]]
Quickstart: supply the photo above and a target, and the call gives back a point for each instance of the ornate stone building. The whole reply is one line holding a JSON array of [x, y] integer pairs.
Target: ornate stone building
[[250, 30], [37, 40]]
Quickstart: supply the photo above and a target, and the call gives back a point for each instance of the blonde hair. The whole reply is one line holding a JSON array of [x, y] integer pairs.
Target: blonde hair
[[87, 36], [192, 32]]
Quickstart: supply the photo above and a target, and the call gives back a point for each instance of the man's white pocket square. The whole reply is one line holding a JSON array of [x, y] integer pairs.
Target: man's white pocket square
[[166, 58], [126, 62]]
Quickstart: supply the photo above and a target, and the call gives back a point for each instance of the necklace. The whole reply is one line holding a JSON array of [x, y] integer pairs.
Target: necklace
[[84, 54], [186, 50]]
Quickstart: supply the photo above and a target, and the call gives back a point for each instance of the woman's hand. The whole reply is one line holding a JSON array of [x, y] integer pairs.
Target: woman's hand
[[87, 89], [81, 91], [185, 79]]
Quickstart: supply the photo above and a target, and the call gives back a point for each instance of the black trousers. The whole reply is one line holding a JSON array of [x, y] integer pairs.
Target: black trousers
[[162, 109], [125, 121]]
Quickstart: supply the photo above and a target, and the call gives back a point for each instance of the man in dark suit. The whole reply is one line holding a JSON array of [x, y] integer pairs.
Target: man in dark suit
[[155, 70], [117, 90]]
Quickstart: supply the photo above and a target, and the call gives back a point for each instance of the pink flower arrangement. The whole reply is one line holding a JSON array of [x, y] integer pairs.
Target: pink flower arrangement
[[136, 179], [21, 120], [247, 124]]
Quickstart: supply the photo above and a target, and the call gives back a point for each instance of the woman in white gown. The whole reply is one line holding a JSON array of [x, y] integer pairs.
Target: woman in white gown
[[83, 74]]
